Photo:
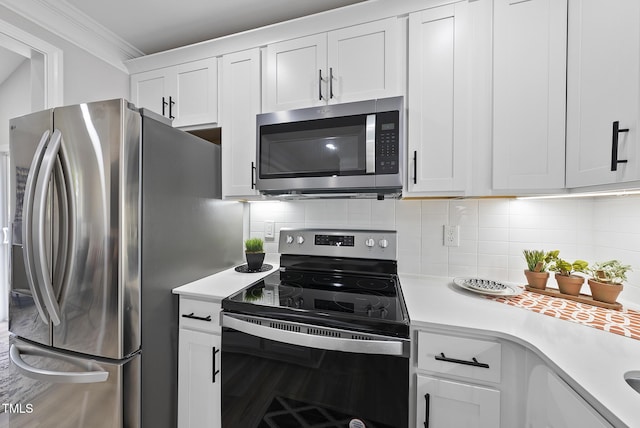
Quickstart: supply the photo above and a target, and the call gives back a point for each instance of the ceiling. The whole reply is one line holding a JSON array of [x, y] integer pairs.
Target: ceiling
[[153, 26]]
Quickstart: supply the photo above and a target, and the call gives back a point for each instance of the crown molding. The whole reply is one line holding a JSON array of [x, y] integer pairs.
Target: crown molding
[[67, 22]]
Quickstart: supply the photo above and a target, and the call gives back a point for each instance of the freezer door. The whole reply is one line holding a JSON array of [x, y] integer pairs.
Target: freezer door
[[100, 299], [55, 389], [29, 136]]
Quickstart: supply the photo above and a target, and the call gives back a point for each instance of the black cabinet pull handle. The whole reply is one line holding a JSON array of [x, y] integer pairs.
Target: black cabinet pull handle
[[473, 361], [427, 399], [614, 146], [195, 317], [164, 104], [214, 371], [171, 103], [331, 82], [415, 167], [320, 80], [253, 174]]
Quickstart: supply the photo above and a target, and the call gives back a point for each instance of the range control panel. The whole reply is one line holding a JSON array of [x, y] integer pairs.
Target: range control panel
[[366, 244]]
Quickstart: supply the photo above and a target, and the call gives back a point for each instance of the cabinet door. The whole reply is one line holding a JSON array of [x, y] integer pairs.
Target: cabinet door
[[241, 103], [438, 96], [529, 66], [150, 89], [444, 404], [363, 62], [196, 93], [295, 73], [552, 403], [198, 379], [602, 88]]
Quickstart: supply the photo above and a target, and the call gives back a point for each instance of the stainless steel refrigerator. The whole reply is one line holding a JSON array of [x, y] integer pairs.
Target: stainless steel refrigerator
[[111, 209]]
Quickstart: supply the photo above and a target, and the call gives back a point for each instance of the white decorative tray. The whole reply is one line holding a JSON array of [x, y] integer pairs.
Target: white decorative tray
[[487, 286]]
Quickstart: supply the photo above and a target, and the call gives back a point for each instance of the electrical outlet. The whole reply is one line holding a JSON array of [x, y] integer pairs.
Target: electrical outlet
[[269, 229], [451, 236]]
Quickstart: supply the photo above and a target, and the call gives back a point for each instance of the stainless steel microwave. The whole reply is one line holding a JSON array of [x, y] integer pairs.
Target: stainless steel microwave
[[351, 148]]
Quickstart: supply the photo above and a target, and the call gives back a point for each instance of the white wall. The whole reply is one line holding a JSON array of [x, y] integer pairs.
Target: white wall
[[86, 78], [15, 99], [493, 232]]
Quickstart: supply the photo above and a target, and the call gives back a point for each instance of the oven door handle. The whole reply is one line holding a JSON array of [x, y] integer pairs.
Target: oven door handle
[[379, 347]]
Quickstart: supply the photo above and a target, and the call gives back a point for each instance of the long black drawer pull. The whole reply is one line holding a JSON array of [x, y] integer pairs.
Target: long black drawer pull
[[614, 146], [473, 361], [427, 399], [195, 317], [214, 371], [415, 167]]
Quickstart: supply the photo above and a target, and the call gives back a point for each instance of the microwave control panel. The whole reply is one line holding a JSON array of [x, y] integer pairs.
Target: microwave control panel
[[387, 142]]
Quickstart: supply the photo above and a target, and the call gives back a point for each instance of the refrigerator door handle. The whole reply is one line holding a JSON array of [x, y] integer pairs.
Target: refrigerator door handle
[[95, 373], [38, 226], [27, 220], [67, 242]]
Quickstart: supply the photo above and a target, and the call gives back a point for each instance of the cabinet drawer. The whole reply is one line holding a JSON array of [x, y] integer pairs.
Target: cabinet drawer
[[459, 356], [200, 315]]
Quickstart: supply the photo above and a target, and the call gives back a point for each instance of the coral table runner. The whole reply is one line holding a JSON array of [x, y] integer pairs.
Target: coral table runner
[[625, 322]]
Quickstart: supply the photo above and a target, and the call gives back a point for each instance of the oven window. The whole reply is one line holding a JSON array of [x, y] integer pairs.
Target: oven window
[[277, 385], [324, 147]]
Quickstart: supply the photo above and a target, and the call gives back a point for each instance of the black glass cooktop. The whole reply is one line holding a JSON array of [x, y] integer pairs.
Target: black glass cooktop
[[371, 303]]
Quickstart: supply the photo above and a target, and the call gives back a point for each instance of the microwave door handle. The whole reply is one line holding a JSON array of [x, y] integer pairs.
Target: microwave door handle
[[39, 213], [95, 373], [370, 149], [27, 220]]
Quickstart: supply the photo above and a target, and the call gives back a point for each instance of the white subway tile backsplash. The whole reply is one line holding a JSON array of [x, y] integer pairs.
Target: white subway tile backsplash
[[493, 232]]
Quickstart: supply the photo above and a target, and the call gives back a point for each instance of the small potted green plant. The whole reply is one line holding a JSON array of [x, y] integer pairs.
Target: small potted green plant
[[607, 279], [254, 252], [538, 261], [568, 283]]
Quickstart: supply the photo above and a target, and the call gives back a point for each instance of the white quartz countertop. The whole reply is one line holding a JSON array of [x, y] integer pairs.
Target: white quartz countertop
[[592, 361], [222, 284]]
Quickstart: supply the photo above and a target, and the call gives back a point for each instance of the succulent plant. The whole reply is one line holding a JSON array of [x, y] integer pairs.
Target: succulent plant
[[539, 260], [609, 272]]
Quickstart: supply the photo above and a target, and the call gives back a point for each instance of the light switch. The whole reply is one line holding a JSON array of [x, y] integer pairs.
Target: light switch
[[269, 229]]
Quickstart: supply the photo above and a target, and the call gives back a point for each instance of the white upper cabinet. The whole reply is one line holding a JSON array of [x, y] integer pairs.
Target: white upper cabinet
[[529, 92], [240, 99], [443, 77], [350, 64], [603, 92], [186, 93]]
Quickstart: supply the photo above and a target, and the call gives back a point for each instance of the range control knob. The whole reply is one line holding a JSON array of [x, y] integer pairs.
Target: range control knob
[[370, 242], [383, 243], [300, 239], [289, 239]]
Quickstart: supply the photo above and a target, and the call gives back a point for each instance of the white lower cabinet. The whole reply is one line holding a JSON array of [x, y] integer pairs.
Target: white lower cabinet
[[466, 380], [199, 377], [553, 403], [445, 403], [457, 381]]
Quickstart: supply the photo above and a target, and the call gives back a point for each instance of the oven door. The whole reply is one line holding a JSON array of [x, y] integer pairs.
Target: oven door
[[287, 375]]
